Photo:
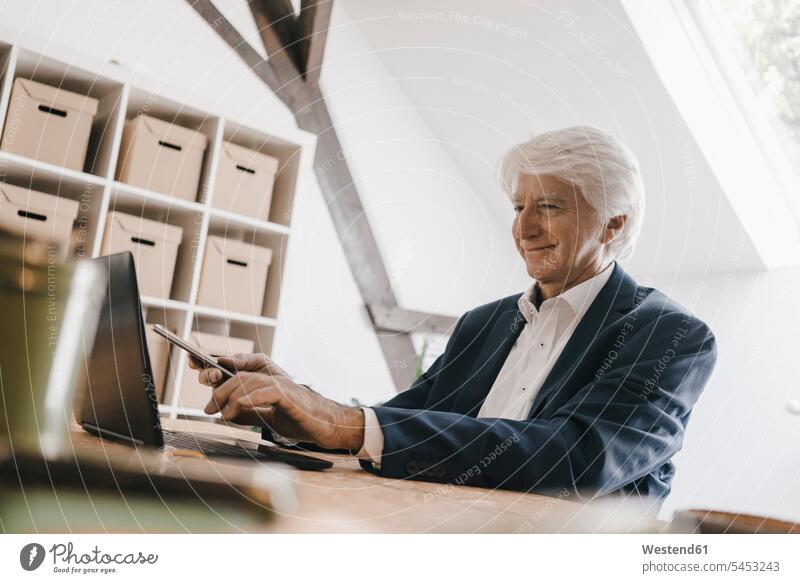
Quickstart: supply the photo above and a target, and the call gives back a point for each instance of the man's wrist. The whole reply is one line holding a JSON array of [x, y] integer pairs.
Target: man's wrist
[[353, 428], [372, 450]]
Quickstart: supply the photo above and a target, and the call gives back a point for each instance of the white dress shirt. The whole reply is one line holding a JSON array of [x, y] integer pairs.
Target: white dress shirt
[[547, 330]]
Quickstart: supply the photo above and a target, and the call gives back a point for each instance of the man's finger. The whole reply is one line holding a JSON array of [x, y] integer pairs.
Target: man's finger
[[194, 362], [242, 361], [265, 396], [233, 363], [209, 377], [231, 410], [264, 415], [221, 394]]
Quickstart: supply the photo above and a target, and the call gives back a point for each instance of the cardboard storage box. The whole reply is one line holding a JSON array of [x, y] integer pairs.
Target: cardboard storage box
[[159, 348], [37, 215], [244, 181], [48, 124], [193, 394], [154, 246], [234, 275], [161, 156]]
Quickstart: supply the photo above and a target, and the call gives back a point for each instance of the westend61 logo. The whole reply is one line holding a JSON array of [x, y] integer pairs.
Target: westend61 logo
[[66, 560]]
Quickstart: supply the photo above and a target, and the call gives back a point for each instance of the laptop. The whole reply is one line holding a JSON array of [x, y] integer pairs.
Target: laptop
[[120, 399]]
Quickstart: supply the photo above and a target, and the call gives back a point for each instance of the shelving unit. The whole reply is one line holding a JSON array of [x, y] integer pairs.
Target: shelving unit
[[98, 192]]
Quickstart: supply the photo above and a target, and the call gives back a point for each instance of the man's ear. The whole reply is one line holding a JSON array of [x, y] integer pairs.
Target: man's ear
[[614, 228]]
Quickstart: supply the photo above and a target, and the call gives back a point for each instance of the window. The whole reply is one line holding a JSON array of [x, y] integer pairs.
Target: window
[[756, 44], [731, 68]]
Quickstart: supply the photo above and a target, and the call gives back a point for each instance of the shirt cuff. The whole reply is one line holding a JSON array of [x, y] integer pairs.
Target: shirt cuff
[[372, 449]]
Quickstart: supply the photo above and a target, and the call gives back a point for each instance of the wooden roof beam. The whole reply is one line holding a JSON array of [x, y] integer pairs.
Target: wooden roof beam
[[276, 23], [312, 29]]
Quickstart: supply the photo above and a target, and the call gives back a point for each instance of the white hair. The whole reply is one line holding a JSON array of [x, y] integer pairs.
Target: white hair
[[603, 168]]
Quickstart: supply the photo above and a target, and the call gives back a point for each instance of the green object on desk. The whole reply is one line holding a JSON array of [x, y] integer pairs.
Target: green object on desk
[[50, 313], [125, 490], [40, 510]]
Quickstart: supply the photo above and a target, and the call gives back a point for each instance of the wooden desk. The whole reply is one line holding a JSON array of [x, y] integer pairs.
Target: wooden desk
[[345, 498]]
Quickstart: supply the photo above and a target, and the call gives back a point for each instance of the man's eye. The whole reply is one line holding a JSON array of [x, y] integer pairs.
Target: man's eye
[[518, 208], [548, 206]]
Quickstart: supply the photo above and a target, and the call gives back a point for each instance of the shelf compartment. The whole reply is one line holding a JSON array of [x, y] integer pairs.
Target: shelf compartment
[[262, 336], [220, 314], [85, 189], [46, 173], [188, 216], [142, 102], [164, 304], [8, 58], [190, 393], [288, 155], [133, 195], [220, 220], [108, 92], [172, 319], [261, 333], [278, 242]]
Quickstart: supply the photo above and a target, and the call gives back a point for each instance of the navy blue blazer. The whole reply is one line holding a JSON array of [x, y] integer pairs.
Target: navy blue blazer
[[609, 417]]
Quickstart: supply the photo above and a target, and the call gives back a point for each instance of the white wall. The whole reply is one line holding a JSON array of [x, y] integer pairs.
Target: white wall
[[742, 448], [445, 251]]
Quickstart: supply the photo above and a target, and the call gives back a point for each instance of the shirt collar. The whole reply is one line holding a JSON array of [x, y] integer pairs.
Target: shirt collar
[[579, 297]]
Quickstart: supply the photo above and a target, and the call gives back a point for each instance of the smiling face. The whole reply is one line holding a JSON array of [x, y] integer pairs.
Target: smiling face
[[558, 234]]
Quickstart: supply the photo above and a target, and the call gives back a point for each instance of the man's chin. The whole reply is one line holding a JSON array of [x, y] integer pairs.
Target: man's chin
[[540, 272]]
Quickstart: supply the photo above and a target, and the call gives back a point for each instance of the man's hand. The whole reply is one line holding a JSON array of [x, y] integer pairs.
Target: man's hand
[[261, 393]]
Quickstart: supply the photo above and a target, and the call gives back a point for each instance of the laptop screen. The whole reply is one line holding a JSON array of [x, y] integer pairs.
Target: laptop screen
[[119, 398]]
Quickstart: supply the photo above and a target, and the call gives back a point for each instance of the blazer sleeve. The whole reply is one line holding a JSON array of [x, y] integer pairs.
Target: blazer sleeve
[[624, 424], [412, 398]]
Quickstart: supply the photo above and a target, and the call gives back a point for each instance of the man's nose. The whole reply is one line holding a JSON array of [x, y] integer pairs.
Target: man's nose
[[529, 224]]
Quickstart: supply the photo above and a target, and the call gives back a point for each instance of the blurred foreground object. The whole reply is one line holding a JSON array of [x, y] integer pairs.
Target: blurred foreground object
[[793, 407], [612, 514], [107, 486], [717, 522], [49, 314]]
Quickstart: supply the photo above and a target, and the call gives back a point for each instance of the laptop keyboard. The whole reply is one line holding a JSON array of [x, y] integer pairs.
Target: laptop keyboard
[[213, 448]]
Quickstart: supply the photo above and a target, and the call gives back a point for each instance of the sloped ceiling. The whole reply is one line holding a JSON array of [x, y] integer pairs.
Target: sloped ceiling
[[487, 75]]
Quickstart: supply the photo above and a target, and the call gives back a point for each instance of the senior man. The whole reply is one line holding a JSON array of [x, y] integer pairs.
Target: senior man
[[584, 382]]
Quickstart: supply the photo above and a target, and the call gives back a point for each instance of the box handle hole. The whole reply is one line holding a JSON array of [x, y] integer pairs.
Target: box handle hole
[[170, 146], [30, 215], [143, 241], [239, 263], [245, 169], [53, 111]]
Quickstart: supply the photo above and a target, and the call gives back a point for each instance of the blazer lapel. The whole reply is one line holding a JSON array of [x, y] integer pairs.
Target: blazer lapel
[[616, 297], [493, 354]]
